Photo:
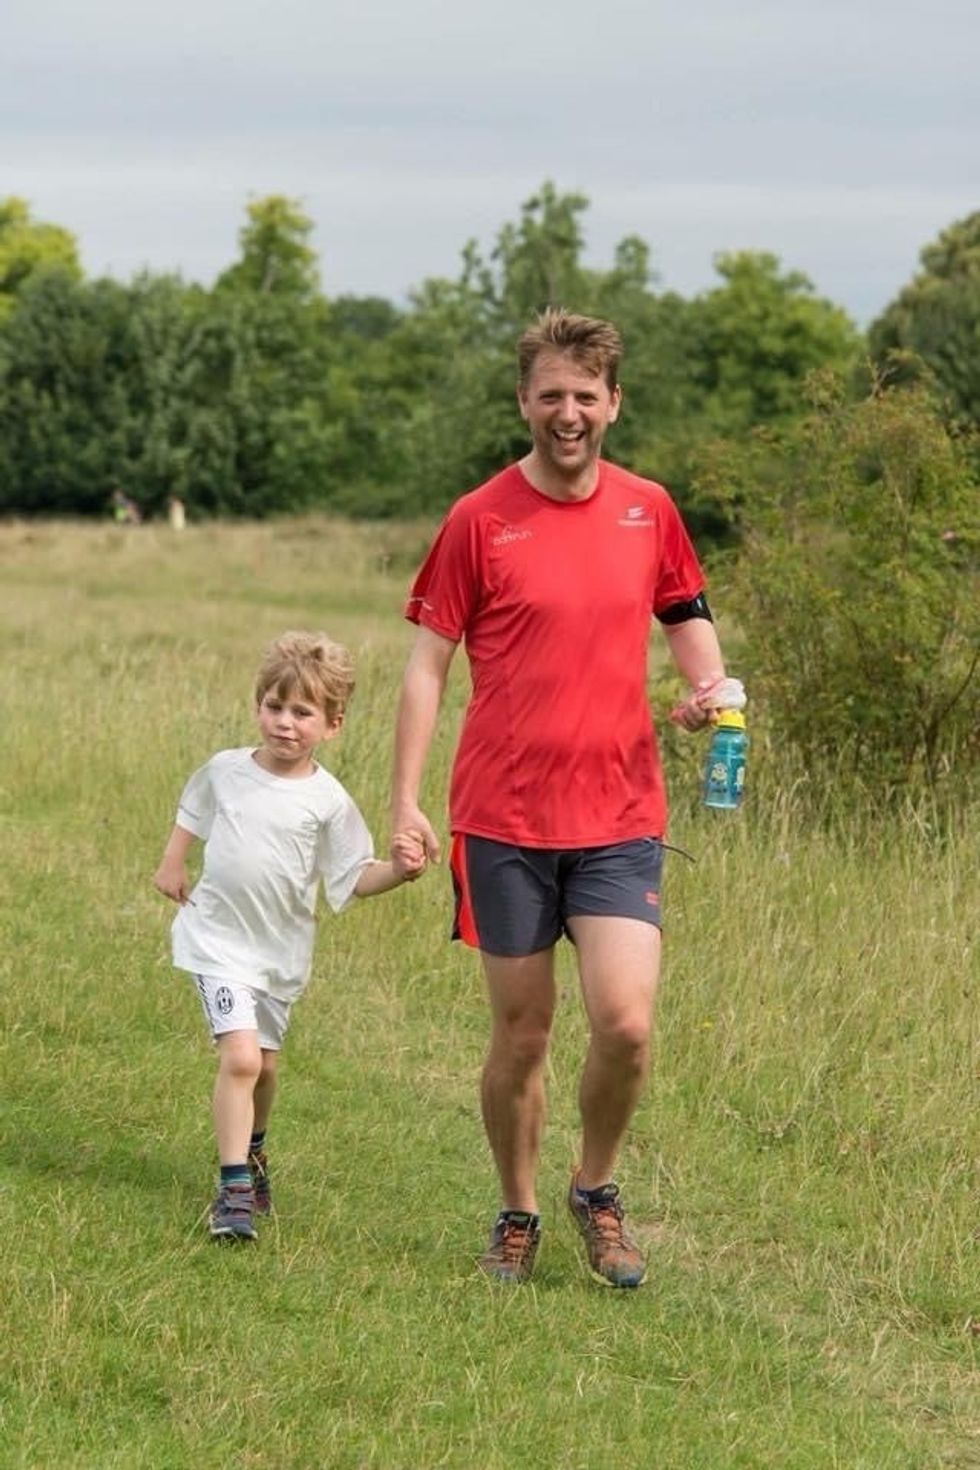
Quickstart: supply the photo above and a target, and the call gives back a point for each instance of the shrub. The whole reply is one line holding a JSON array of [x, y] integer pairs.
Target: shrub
[[857, 588]]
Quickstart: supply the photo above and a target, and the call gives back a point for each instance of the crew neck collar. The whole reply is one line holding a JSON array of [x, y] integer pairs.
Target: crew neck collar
[[563, 501], [253, 751]]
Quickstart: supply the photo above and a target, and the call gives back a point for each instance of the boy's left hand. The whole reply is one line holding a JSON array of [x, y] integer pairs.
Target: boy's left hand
[[408, 855]]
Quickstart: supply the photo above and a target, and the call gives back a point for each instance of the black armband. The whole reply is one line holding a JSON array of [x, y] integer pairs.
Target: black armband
[[683, 612]]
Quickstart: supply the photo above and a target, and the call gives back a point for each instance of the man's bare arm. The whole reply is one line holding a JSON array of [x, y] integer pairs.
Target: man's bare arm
[[418, 707], [695, 649]]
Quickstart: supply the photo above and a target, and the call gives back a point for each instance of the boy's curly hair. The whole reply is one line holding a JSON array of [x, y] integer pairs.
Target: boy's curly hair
[[312, 664]]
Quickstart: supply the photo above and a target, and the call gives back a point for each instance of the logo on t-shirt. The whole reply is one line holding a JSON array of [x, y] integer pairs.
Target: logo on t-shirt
[[509, 534], [636, 515]]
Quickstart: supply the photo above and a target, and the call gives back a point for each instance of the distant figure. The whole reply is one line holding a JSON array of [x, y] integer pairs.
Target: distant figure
[[125, 512], [175, 514]]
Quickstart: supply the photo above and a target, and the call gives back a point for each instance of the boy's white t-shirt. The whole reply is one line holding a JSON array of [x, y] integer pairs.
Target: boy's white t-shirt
[[269, 840]]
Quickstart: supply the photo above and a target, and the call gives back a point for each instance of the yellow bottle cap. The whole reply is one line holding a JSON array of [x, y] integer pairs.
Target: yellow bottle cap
[[731, 719]]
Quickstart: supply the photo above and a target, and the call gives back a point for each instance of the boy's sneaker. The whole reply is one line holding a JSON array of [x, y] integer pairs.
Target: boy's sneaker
[[258, 1167], [231, 1213], [512, 1247], [614, 1258]]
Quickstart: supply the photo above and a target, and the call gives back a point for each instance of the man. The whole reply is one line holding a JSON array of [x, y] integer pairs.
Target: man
[[550, 572]]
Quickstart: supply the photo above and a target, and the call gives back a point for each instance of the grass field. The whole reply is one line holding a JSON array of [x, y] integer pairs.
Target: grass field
[[804, 1168]]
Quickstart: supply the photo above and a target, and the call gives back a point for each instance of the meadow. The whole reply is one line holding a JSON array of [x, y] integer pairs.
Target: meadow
[[803, 1169]]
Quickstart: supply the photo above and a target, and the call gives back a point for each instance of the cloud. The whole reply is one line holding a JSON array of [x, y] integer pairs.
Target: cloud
[[840, 138]]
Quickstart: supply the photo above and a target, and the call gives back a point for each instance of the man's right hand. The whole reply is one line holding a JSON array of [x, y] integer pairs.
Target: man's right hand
[[408, 817]]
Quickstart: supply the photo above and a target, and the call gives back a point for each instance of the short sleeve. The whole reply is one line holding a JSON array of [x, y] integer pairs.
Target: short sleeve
[[345, 848], [679, 576], [196, 808], [446, 589]]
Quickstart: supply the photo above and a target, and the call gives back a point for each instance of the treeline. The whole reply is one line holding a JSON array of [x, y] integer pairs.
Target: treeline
[[262, 395], [832, 476]]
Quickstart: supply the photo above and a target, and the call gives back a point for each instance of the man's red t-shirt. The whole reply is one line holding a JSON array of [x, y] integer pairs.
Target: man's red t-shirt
[[554, 600]]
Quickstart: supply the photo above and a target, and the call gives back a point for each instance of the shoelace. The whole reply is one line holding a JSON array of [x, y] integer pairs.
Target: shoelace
[[236, 1198], [515, 1241], [606, 1219]]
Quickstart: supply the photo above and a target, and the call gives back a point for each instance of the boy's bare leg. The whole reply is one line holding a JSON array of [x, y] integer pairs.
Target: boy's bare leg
[[265, 1090], [619, 961], [239, 1065], [522, 1004]]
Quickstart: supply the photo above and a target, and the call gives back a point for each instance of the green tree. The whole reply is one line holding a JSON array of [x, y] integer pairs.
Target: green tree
[[363, 318], [266, 440], [63, 405], [261, 396], [230, 400], [758, 335], [435, 410], [162, 388], [937, 318], [28, 247], [751, 344], [276, 256], [857, 589], [536, 261]]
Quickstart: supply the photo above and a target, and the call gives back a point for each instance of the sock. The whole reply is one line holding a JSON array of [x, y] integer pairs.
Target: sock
[[598, 1195], [256, 1142], [521, 1217], [235, 1174]]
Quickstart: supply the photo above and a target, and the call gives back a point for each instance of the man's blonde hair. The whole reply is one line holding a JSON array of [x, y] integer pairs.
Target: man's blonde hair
[[592, 343], [312, 665]]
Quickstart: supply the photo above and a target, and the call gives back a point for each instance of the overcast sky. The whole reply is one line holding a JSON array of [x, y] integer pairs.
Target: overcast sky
[[842, 136]]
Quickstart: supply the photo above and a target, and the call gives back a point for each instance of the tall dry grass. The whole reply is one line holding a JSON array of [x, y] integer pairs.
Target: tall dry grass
[[803, 1168]]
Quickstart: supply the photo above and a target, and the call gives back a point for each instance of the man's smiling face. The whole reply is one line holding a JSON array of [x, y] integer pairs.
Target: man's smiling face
[[567, 409]]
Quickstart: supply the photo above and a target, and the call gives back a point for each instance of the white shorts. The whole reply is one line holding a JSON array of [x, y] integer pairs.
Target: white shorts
[[232, 1007]]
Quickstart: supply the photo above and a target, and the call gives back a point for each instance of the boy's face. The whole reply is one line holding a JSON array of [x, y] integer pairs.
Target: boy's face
[[291, 729]]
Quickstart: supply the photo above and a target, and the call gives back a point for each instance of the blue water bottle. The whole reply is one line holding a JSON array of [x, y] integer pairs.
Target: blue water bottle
[[724, 768]]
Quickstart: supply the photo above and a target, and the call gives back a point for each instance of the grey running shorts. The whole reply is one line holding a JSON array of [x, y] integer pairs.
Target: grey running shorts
[[517, 900]]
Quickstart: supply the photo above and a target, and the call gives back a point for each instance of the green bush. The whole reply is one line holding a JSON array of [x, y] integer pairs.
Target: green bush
[[857, 589]]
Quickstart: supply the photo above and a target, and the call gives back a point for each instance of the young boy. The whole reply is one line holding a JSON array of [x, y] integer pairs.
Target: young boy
[[274, 823]]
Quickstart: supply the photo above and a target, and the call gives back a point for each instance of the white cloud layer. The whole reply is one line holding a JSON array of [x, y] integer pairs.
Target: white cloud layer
[[841, 137]]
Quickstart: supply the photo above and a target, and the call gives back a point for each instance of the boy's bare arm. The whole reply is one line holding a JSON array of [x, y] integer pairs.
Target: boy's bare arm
[[407, 863], [171, 876]]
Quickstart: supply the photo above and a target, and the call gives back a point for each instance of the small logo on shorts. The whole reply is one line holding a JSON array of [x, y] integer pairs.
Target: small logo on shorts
[[652, 898], [224, 1000]]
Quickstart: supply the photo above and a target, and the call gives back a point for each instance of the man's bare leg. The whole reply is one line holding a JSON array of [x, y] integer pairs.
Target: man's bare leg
[[619, 962], [522, 1005]]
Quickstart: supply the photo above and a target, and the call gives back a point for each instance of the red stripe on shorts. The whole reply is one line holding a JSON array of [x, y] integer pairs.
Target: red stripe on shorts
[[464, 927]]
